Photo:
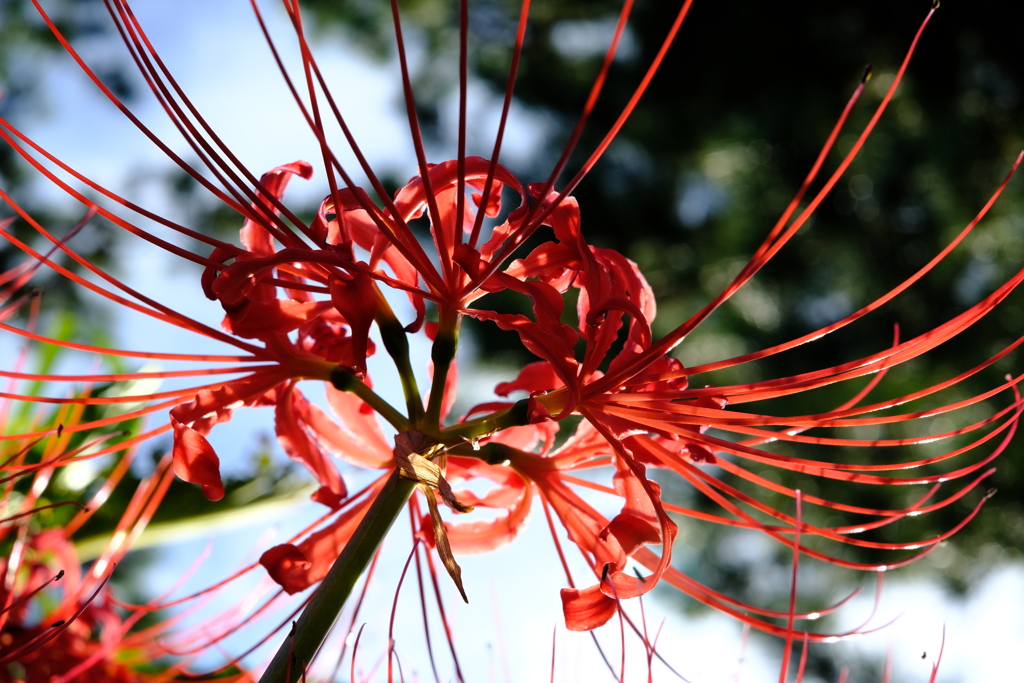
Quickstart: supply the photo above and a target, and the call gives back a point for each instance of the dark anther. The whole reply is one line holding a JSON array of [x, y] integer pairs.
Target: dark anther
[[639, 575], [60, 575], [604, 573], [60, 430], [57, 624], [866, 76], [935, 4]]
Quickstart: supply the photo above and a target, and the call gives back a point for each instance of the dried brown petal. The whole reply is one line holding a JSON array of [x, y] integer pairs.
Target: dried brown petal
[[413, 452], [444, 550]]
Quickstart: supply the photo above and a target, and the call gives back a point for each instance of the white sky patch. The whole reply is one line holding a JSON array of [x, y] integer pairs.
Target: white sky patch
[[587, 38]]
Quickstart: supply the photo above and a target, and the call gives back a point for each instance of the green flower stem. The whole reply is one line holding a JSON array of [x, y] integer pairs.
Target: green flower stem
[[442, 353], [343, 380], [514, 416], [490, 453], [396, 343], [327, 602]]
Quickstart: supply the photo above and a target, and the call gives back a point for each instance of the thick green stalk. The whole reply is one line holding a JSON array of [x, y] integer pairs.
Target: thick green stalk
[[342, 380], [327, 602], [514, 416], [442, 353], [396, 343]]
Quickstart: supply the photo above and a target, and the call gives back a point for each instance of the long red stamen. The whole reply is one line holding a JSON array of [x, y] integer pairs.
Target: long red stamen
[[444, 616], [414, 522], [155, 310], [12, 131], [460, 194], [440, 236], [788, 647], [106, 351], [548, 207], [517, 51], [51, 633], [670, 340], [394, 606], [402, 237], [198, 177], [277, 227], [588, 107]]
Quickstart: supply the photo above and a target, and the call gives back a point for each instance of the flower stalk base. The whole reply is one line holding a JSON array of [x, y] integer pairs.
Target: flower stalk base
[[330, 597]]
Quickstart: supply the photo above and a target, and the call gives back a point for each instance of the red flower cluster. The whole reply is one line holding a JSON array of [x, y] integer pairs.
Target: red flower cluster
[[58, 620], [301, 300]]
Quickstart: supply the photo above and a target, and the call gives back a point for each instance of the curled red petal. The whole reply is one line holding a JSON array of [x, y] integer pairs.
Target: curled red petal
[[220, 255], [586, 609], [356, 300], [287, 566], [254, 236], [214, 406], [325, 496], [533, 378], [633, 532], [537, 412], [315, 555], [196, 462], [472, 538], [512, 493], [294, 434], [266, 319], [358, 439]]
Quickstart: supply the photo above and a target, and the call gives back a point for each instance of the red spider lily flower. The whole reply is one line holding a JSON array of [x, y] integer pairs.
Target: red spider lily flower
[[59, 620], [300, 300], [61, 641], [58, 624]]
